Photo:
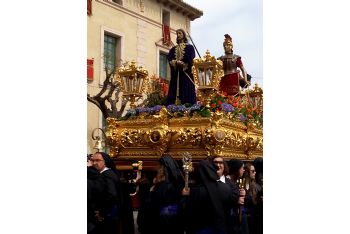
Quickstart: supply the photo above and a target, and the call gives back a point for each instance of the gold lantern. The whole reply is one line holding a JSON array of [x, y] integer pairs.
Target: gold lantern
[[253, 100], [207, 73], [133, 80], [254, 97]]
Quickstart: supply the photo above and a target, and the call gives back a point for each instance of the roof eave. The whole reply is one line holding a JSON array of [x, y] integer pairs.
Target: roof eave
[[178, 5]]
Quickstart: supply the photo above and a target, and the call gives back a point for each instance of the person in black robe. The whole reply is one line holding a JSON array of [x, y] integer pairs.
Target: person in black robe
[[126, 209], [251, 200], [258, 164], [94, 194], [222, 172], [180, 58], [165, 197], [144, 215], [209, 201], [109, 209], [236, 171]]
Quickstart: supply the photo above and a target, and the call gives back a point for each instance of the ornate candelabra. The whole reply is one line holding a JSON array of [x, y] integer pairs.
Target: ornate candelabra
[[133, 80], [207, 73]]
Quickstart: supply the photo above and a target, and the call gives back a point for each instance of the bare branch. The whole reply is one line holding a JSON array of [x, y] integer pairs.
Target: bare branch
[[106, 82], [92, 100], [122, 108], [99, 100]]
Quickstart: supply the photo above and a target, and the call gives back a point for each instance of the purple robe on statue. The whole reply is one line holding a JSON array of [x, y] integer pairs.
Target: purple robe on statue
[[187, 93]]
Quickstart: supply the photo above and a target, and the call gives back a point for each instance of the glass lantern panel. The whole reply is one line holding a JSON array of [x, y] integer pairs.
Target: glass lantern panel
[[133, 82], [139, 83], [129, 84], [141, 79], [208, 76], [125, 83], [136, 84], [201, 76]]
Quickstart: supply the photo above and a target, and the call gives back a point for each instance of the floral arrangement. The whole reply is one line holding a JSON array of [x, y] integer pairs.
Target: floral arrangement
[[158, 91], [246, 111], [173, 110], [233, 106]]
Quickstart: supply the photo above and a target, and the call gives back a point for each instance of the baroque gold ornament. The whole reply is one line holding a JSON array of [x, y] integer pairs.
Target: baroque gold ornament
[[149, 138], [207, 73], [133, 80]]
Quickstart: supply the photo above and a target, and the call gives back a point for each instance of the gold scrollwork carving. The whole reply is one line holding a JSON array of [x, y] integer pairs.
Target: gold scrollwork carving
[[186, 136], [152, 137], [214, 141], [132, 138]]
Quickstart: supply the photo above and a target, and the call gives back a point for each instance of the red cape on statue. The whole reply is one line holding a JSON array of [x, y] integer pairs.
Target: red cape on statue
[[230, 84]]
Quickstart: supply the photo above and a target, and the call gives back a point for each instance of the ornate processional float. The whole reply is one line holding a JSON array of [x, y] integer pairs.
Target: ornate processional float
[[228, 126]]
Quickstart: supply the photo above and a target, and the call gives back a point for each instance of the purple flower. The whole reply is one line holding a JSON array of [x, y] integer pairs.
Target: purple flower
[[227, 107], [171, 108], [242, 117], [156, 108], [142, 109], [175, 108]]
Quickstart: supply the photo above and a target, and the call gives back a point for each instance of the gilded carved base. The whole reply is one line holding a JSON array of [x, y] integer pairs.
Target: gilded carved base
[[149, 138]]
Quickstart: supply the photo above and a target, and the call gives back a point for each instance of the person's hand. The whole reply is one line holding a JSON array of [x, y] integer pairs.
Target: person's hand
[[98, 216], [185, 192], [180, 63], [89, 163], [241, 200], [241, 192], [173, 63]]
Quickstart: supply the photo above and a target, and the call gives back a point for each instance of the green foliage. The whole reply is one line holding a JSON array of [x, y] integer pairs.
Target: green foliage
[[154, 99], [205, 111]]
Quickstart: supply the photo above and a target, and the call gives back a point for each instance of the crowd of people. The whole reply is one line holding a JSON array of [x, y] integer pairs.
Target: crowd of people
[[223, 197]]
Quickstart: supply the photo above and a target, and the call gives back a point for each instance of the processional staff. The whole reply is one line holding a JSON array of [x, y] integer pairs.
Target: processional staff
[[187, 166], [137, 167], [193, 44], [241, 186]]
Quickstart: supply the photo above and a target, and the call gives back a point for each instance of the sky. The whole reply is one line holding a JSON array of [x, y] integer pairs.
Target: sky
[[242, 20]]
